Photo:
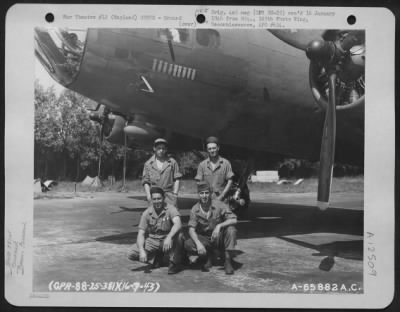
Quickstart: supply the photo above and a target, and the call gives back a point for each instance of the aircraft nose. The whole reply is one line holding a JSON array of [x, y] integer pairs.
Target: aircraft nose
[[59, 52]]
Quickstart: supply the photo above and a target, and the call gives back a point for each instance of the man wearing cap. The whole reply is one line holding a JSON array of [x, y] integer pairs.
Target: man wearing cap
[[162, 223], [215, 170], [211, 226], [163, 171]]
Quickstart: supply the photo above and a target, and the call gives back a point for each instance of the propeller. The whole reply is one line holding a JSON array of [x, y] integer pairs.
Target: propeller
[[327, 154], [171, 50], [333, 57], [116, 134], [101, 117], [323, 52], [298, 38], [111, 128], [170, 38], [337, 60]]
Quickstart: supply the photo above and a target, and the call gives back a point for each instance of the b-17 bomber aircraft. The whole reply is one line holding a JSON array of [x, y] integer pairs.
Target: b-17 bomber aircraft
[[294, 92]]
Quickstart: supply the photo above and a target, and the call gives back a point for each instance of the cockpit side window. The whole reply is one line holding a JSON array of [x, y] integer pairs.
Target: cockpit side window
[[177, 35], [209, 38]]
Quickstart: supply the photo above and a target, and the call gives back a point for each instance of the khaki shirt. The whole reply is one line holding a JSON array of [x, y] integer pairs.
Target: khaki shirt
[[220, 212], [158, 225], [216, 178], [163, 178]]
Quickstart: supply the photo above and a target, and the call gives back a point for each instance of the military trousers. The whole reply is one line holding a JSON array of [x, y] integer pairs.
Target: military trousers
[[152, 246], [226, 241]]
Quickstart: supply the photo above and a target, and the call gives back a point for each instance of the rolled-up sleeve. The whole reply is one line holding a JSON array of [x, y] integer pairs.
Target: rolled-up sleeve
[[146, 175], [173, 212], [143, 222], [200, 173], [193, 219], [177, 174], [229, 172]]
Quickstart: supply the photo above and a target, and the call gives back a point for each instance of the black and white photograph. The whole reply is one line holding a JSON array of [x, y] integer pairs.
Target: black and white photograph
[[218, 158]]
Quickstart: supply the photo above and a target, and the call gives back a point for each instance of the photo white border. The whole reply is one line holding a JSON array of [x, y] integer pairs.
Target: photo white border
[[379, 24]]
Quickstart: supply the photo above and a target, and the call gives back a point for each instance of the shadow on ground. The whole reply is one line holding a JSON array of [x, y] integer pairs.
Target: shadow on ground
[[280, 220]]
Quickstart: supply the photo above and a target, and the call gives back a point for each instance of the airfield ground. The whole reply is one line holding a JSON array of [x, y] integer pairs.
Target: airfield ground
[[282, 242]]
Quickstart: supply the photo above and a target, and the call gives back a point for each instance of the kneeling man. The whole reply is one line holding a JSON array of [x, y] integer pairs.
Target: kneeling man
[[211, 226], [162, 223]]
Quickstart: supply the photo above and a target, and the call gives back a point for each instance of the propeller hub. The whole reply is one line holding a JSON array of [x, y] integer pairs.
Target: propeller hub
[[320, 51], [96, 117]]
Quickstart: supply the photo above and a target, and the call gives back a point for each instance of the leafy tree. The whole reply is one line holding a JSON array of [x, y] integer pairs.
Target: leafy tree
[[45, 127], [188, 163], [64, 131]]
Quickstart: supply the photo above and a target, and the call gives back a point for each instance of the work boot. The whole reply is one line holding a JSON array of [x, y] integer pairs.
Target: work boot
[[208, 264], [228, 264], [158, 259], [174, 268]]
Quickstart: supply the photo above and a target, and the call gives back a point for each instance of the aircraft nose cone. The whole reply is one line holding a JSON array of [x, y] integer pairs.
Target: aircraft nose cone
[[319, 51]]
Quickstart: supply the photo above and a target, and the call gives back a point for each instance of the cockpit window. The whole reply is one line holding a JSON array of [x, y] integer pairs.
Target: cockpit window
[[208, 38], [177, 35], [72, 48], [60, 51]]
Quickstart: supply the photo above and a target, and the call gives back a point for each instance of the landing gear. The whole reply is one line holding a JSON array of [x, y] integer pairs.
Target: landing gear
[[239, 195]]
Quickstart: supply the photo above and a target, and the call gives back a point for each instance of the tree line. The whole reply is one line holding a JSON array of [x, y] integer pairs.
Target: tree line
[[68, 145], [67, 142]]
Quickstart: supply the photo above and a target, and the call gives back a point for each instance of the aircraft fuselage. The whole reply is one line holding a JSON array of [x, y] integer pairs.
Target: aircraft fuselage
[[247, 87]]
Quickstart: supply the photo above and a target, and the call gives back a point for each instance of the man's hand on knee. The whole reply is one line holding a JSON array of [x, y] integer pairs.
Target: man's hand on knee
[[215, 233], [167, 245], [201, 250], [142, 256]]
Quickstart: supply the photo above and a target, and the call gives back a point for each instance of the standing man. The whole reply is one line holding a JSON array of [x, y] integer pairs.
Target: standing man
[[211, 226], [163, 171], [215, 170], [162, 222]]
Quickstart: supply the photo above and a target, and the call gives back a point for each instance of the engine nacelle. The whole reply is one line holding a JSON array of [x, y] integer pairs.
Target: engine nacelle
[[141, 133], [115, 127], [346, 56]]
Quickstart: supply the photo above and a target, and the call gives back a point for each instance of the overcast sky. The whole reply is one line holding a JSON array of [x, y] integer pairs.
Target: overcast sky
[[45, 79]]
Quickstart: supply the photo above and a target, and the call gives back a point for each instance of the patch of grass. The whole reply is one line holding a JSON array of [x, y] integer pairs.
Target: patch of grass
[[347, 184]]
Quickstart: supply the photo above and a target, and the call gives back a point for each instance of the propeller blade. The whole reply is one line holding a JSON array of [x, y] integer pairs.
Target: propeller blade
[[298, 38], [116, 135], [171, 50], [327, 147]]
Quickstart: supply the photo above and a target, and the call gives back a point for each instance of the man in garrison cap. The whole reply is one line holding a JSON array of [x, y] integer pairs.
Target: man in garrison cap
[[163, 171], [162, 223], [211, 226], [215, 170]]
